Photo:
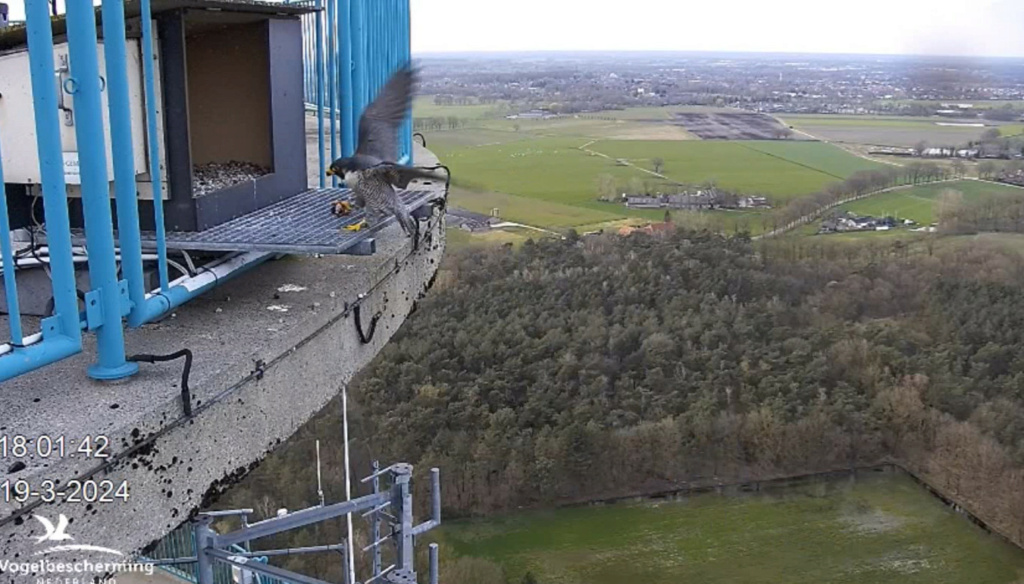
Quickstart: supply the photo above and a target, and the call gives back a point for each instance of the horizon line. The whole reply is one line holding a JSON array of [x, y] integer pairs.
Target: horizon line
[[495, 52]]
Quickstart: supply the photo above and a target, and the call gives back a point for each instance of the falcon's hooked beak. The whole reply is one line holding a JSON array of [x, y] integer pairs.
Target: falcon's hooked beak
[[329, 172]]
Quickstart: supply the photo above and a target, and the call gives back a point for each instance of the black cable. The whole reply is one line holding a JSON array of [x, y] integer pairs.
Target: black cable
[[186, 394], [363, 338], [422, 137]]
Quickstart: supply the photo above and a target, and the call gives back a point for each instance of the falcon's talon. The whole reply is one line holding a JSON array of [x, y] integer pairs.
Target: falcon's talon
[[356, 227]]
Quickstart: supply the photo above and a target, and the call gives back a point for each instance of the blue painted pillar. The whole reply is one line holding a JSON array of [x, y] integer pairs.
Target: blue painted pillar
[[332, 88], [148, 76], [119, 108], [84, 84], [319, 34], [358, 61], [349, 123], [51, 167]]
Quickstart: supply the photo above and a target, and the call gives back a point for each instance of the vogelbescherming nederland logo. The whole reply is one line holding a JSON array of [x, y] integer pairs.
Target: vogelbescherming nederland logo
[[51, 569]]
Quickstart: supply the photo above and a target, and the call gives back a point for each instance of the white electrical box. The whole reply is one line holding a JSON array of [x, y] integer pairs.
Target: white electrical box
[[17, 118]]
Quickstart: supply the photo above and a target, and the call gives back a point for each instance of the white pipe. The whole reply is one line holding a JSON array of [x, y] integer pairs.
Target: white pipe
[[29, 340], [219, 269], [30, 262], [348, 485]]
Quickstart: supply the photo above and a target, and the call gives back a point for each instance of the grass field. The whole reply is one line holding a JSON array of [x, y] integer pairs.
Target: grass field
[[783, 170], [891, 130], [921, 203], [424, 107], [879, 529], [534, 172], [530, 211]]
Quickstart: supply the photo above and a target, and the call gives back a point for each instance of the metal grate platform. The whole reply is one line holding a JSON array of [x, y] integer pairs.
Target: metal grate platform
[[299, 224]]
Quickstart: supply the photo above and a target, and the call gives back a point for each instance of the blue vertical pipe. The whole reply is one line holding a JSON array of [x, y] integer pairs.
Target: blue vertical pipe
[[10, 283], [51, 167], [358, 60], [148, 61], [335, 76], [405, 57], [348, 119], [89, 133], [320, 89], [119, 108], [331, 87]]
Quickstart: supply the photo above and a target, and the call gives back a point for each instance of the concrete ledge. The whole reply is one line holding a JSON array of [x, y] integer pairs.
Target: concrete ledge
[[271, 349]]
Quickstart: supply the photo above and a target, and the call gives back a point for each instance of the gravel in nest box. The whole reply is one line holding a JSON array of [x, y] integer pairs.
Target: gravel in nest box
[[214, 176]]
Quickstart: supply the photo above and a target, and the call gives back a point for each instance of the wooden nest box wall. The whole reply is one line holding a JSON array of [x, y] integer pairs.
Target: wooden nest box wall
[[235, 114]]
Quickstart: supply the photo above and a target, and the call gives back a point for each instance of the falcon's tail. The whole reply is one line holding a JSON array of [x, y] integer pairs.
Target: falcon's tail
[[405, 220]]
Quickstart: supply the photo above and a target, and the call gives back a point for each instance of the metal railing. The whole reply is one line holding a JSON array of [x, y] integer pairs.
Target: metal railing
[[201, 556], [350, 50], [365, 41]]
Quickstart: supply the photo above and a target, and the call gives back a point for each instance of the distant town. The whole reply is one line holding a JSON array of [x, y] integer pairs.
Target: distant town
[[813, 84]]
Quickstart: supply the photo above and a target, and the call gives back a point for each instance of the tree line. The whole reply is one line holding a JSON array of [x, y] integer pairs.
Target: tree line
[[861, 183], [602, 366]]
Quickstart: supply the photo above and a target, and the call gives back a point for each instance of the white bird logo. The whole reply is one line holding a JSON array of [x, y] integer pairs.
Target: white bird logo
[[53, 533]]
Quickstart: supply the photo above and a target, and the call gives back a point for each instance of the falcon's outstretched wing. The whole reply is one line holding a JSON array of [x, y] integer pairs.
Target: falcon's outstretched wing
[[378, 126]]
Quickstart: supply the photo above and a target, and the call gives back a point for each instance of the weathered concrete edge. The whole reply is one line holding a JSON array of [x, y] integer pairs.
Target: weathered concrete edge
[[183, 464]]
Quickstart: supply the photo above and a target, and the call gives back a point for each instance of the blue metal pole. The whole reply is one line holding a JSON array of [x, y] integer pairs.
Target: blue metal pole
[[335, 81], [84, 84], [358, 61], [331, 87], [10, 279], [348, 121], [61, 334], [148, 60], [119, 107], [405, 54], [320, 90], [51, 167]]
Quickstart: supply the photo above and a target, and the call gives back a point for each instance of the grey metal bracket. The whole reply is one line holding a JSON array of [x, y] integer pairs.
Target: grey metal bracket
[[212, 547]]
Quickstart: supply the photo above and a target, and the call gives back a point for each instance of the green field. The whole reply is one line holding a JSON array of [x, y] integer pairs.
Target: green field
[[891, 130], [921, 203], [782, 170], [535, 173], [879, 529], [550, 182], [531, 211], [424, 107]]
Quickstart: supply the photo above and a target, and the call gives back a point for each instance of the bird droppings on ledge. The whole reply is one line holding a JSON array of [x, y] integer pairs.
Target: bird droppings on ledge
[[214, 176]]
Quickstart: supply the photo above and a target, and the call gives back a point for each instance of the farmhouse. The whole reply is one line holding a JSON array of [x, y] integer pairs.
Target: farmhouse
[[852, 222], [469, 221], [754, 203], [698, 200], [695, 201]]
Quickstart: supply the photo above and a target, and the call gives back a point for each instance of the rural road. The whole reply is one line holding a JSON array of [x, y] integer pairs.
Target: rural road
[[586, 149]]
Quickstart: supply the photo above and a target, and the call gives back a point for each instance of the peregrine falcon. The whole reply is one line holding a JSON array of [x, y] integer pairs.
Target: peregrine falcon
[[373, 172]]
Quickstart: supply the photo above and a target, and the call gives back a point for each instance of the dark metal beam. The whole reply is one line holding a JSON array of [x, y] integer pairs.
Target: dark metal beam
[[180, 210]]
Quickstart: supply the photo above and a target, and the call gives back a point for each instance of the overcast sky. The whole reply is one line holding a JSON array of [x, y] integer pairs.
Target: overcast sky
[[927, 27], [943, 27]]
